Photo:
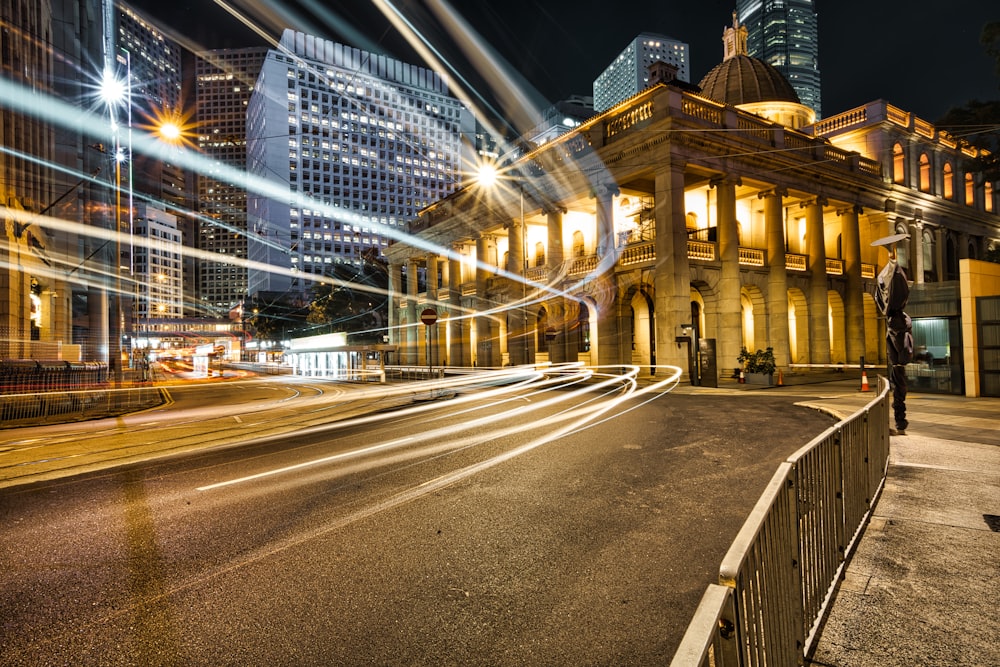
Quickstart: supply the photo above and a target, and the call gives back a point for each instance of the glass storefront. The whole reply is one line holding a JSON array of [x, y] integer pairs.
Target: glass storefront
[[937, 349]]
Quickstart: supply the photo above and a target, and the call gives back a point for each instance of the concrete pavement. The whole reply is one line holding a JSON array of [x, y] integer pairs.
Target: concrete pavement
[[923, 583]]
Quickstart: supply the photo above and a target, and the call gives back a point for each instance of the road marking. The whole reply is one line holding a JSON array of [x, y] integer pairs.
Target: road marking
[[305, 464]]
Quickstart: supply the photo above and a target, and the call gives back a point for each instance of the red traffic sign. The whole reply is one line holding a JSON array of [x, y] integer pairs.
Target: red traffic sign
[[428, 316]]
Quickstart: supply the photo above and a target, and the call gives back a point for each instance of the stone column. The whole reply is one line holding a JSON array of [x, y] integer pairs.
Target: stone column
[[557, 306], [850, 234], [517, 317], [940, 252], [917, 243], [730, 318], [412, 352], [608, 334], [818, 299], [604, 195], [487, 343], [459, 352], [395, 283], [672, 279], [777, 277], [433, 346]]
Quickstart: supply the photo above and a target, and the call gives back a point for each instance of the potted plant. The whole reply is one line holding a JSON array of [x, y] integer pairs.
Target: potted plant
[[759, 366]]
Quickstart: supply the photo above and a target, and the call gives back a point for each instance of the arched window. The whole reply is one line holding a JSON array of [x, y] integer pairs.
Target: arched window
[[898, 164], [925, 173], [948, 181], [903, 248], [579, 249], [539, 254], [970, 191], [988, 187], [930, 272]]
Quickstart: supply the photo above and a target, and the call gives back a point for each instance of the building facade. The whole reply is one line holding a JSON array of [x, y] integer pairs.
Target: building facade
[[785, 35], [628, 73], [157, 265], [677, 218], [343, 148], [224, 81]]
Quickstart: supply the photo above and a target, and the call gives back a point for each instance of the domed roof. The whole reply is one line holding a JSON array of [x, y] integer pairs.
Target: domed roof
[[741, 79]]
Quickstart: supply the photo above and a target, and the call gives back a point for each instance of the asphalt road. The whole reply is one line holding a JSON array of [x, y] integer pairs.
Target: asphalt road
[[443, 537]]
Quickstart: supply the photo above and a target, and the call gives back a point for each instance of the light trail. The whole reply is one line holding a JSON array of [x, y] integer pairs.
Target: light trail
[[306, 464], [583, 407]]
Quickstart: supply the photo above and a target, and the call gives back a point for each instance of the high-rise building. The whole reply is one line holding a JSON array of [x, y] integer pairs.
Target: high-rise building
[[158, 196], [343, 147], [628, 73], [224, 82], [784, 34], [154, 63], [157, 264]]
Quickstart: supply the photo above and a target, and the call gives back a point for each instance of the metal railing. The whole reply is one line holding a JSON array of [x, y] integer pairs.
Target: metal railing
[[53, 407], [777, 580]]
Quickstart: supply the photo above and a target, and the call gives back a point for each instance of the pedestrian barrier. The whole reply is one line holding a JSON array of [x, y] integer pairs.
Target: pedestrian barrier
[[51, 407], [780, 574], [30, 375]]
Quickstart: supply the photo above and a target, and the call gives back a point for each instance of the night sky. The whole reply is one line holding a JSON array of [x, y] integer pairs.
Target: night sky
[[922, 56]]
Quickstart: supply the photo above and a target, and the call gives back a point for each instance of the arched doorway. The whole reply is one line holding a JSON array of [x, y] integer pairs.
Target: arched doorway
[[643, 336]]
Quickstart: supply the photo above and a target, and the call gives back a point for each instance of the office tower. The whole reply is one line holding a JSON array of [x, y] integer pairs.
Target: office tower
[[350, 145], [224, 81], [154, 80], [784, 34], [157, 264], [628, 73]]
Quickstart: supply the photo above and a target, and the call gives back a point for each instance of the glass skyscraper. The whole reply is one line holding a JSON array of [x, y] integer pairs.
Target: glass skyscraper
[[785, 34]]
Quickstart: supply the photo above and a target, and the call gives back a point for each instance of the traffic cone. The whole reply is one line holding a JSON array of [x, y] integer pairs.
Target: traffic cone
[[864, 381], [742, 378], [781, 378]]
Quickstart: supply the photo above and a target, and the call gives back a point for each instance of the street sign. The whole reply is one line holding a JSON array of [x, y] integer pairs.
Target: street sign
[[428, 316]]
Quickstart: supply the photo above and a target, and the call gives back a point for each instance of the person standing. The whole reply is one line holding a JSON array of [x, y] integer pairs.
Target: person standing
[[891, 296]]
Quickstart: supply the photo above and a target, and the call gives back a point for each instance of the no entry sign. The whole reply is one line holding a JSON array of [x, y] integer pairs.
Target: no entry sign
[[428, 316]]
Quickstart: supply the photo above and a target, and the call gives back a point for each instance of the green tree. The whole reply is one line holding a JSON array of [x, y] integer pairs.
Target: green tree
[[976, 122], [354, 300]]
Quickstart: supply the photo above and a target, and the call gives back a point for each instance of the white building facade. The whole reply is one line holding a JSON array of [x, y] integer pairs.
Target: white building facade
[[157, 265], [628, 73], [343, 148]]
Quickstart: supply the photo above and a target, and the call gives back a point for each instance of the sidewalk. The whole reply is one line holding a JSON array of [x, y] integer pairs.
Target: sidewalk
[[923, 583]]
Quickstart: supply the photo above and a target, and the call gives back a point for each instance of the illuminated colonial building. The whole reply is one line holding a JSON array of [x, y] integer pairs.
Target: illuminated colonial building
[[673, 218], [352, 144]]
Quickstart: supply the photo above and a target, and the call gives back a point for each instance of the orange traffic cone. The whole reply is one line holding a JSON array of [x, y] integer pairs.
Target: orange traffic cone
[[864, 381], [742, 378]]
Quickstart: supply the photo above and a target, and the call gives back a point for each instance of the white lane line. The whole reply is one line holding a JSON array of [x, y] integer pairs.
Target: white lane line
[[305, 464]]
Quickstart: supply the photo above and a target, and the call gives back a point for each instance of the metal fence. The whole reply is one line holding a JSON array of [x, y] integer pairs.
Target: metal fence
[[777, 580], [30, 375], [52, 407]]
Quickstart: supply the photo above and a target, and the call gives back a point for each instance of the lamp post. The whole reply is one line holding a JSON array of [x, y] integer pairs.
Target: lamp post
[[116, 91]]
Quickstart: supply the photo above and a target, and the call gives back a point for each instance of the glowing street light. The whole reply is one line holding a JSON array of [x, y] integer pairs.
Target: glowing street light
[[116, 92]]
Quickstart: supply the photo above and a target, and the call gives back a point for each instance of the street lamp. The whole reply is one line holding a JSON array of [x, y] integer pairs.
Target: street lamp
[[115, 91]]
